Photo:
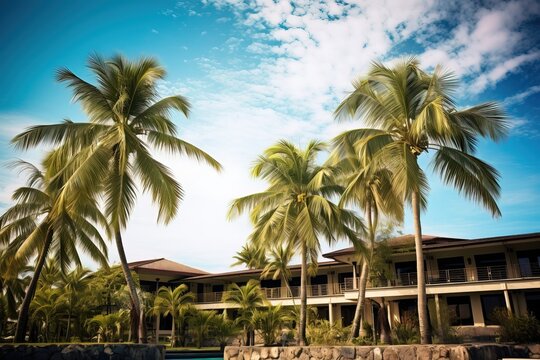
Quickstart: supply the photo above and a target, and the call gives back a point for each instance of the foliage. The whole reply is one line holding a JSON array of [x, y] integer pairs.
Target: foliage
[[224, 329], [523, 329], [109, 327], [270, 321], [449, 333], [324, 333], [406, 330], [200, 324], [251, 256]]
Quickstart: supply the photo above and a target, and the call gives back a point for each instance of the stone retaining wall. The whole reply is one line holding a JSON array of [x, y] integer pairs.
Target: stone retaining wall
[[80, 352], [397, 352]]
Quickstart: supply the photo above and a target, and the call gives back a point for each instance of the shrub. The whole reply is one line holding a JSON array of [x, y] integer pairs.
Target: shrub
[[517, 328], [324, 333], [406, 331]]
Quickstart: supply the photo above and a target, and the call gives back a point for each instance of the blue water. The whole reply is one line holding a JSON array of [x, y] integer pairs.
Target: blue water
[[174, 357]]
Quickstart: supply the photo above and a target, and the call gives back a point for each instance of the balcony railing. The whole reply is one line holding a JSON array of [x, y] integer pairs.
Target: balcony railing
[[483, 273]]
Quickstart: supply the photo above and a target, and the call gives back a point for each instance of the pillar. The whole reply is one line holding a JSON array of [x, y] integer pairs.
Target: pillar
[[507, 301], [439, 318], [355, 283], [331, 313]]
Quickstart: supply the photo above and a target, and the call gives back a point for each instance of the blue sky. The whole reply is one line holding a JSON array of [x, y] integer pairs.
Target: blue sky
[[257, 71]]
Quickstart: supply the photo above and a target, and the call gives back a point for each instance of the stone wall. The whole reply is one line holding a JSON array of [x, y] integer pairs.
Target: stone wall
[[86, 352], [397, 352]]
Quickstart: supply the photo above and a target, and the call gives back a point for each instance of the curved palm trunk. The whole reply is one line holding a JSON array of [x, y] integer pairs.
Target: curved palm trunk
[[136, 305], [422, 299], [173, 333], [355, 327], [383, 323], [22, 319], [303, 299]]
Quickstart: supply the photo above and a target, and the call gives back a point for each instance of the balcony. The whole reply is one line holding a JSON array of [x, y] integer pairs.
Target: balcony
[[269, 293], [485, 273]]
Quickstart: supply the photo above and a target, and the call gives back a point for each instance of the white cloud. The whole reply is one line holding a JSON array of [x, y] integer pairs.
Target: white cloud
[[520, 97]]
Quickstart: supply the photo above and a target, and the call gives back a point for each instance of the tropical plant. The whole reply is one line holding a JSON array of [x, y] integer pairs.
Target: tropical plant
[[200, 324], [73, 284], [251, 256], [410, 112], [125, 116], [522, 329], [172, 302], [46, 308], [14, 279], [247, 299], [270, 321], [406, 330], [108, 327], [325, 333], [279, 257], [223, 330], [369, 187], [296, 208], [38, 224]]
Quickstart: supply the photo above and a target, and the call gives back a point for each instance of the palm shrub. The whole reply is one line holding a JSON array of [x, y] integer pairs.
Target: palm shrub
[[201, 323], [324, 333], [270, 321], [172, 302], [223, 330], [408, 113], [113, 149], [406, 330]]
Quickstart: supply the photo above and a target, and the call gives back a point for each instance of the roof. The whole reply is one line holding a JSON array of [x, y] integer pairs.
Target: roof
[[436, 242], [400, 241], [254, 271], [163, 265]]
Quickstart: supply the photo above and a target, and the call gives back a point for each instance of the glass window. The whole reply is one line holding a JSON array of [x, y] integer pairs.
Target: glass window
[[490, 303], [459, 309]]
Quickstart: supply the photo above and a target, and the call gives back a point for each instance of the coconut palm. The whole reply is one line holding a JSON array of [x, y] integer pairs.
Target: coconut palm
[[172, 302], [247, 299], [37, 224], [125, 118], [368, 187], [14, 279], [200, 324], [280, 256], [296, 207], [410, 112], [251, 256]]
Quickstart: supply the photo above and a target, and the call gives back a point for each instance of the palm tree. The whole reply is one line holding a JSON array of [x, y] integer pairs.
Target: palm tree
[[224, 329], [278, 265], [250, 256], [14, 280], [247, 298], [46, 307], [296, 207], [269, 322], [368, 187], [73, 284], [125, 117], [37, 223], [200, 324], [172, 302], [410, 112]]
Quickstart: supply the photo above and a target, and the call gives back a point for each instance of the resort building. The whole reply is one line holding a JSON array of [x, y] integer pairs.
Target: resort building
[[465, 281]]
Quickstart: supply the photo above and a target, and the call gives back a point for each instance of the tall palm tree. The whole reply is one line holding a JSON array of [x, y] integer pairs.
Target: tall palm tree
[[296, 207], [125, 118], [410, 112], [247, 298], [37, 224], [172, 302], [368, 187]]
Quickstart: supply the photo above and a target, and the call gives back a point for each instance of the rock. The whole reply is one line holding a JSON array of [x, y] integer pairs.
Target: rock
[[264, 353], [424, 353], [347, 352], [406, 353], [108, 351], [303, 356], [461, 353], [255, 355], [232, 351], [534, 349], [390, 353], [274, 352], [364, 353], [327, 353], [377, 354]]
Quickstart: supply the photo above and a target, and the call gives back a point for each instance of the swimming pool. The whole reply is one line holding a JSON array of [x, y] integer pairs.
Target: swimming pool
[[199, 355]]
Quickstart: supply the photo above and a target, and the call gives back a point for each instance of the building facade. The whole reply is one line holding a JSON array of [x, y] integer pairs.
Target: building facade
[[466, 280]]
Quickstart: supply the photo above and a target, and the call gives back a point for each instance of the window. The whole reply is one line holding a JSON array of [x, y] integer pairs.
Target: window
[[490, 303], [451, 269], [406, 272], [529, 263], [459, 309]]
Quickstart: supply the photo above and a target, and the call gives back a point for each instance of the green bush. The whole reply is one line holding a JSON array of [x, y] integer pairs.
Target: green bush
[[324, 333], [517, 328], [406, 331]]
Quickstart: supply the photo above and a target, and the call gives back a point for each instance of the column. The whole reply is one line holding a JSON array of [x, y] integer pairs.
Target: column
[[355, 283], [331, 313], [507, 301], [439, 319]]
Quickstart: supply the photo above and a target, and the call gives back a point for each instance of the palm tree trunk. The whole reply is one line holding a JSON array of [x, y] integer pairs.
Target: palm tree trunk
[[383, 323], [22, 319], [173, 334], [131, 285], [355, 327], [288, 287], [303, 298], [420, 276]]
